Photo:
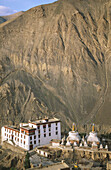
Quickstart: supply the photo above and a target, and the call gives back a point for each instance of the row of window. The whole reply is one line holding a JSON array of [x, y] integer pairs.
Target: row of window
[[8, 130], [44, 126], [45, 130], [34, 142], [31, 137], [14, 138], [22, 136], [49, 130], [49, 134], [44, 135]]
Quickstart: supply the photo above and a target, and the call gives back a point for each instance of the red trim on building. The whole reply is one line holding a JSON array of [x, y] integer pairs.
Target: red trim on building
[[12, 129]]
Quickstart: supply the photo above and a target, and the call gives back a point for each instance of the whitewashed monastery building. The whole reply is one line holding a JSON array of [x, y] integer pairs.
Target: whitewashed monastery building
[[33, 133]]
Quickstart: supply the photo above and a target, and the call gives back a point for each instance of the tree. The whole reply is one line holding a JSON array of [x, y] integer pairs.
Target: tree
[[27, 161]]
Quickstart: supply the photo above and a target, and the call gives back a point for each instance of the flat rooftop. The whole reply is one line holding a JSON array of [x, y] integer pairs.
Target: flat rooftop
[[27, 128], [48, 149], [12, 127], [44, 121]]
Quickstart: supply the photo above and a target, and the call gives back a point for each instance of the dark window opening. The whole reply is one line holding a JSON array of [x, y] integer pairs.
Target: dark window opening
[[56, 133]]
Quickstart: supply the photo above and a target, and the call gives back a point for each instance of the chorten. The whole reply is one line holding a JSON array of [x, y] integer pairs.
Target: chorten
[[80, 144], [68, 143], [93, 136], [94, 145], [63, 141], [106, 147], [74, 135], [85, 144], [101, 146], [75, 144]]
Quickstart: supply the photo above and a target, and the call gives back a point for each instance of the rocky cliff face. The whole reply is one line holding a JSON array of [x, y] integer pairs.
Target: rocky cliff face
[[55, 60]]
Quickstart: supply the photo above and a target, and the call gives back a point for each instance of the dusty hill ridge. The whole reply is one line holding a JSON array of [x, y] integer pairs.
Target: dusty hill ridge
[[10, 17], [55, 60]]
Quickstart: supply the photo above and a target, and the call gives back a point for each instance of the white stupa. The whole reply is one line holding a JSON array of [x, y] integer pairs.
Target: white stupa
[[63, 141], [94, 145], [106, 147], [101, 146], [85, 144], [75, 144], [74, 135], [93, 136], [68, 143], [80, 144]]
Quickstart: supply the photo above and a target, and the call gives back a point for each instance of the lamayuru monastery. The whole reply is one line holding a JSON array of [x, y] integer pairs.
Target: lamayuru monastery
[[33, 133], [44, 131]]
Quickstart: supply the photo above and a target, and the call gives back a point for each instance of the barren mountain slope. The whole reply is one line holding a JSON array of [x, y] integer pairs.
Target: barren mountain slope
[[10, 17], [55, 60]]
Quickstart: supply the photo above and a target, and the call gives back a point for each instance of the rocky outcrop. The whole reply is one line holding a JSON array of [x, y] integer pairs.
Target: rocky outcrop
[[55, 60]]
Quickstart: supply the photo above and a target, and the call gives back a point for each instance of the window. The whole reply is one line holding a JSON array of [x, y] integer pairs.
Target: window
[[56, 124], [44, 126], [49, 134], [18, 140], [35, 137], [5, 129], [15, 138], [34, 141], [44, 135], [38, 136], [49, 125], [24, 142], [5, 134], [49, 129], [9, 136], [22, 131], [9, 131], [44, 130], [56, 128], [15, 133], [31, 142], [56, 133], [30, 137], [21, 141], [39, 140], [21, 136], [38, 127], [38, 131], [24, 137]]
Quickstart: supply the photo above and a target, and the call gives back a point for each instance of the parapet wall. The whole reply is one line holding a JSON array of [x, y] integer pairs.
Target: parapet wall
[[95, 155]]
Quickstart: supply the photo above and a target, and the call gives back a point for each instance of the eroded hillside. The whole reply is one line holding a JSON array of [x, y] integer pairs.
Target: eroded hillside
[[55, 60]]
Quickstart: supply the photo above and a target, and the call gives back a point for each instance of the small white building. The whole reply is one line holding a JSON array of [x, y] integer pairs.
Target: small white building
[[33, 133]]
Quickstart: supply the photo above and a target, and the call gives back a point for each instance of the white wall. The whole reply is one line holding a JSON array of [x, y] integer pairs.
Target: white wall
[[43, 140]]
